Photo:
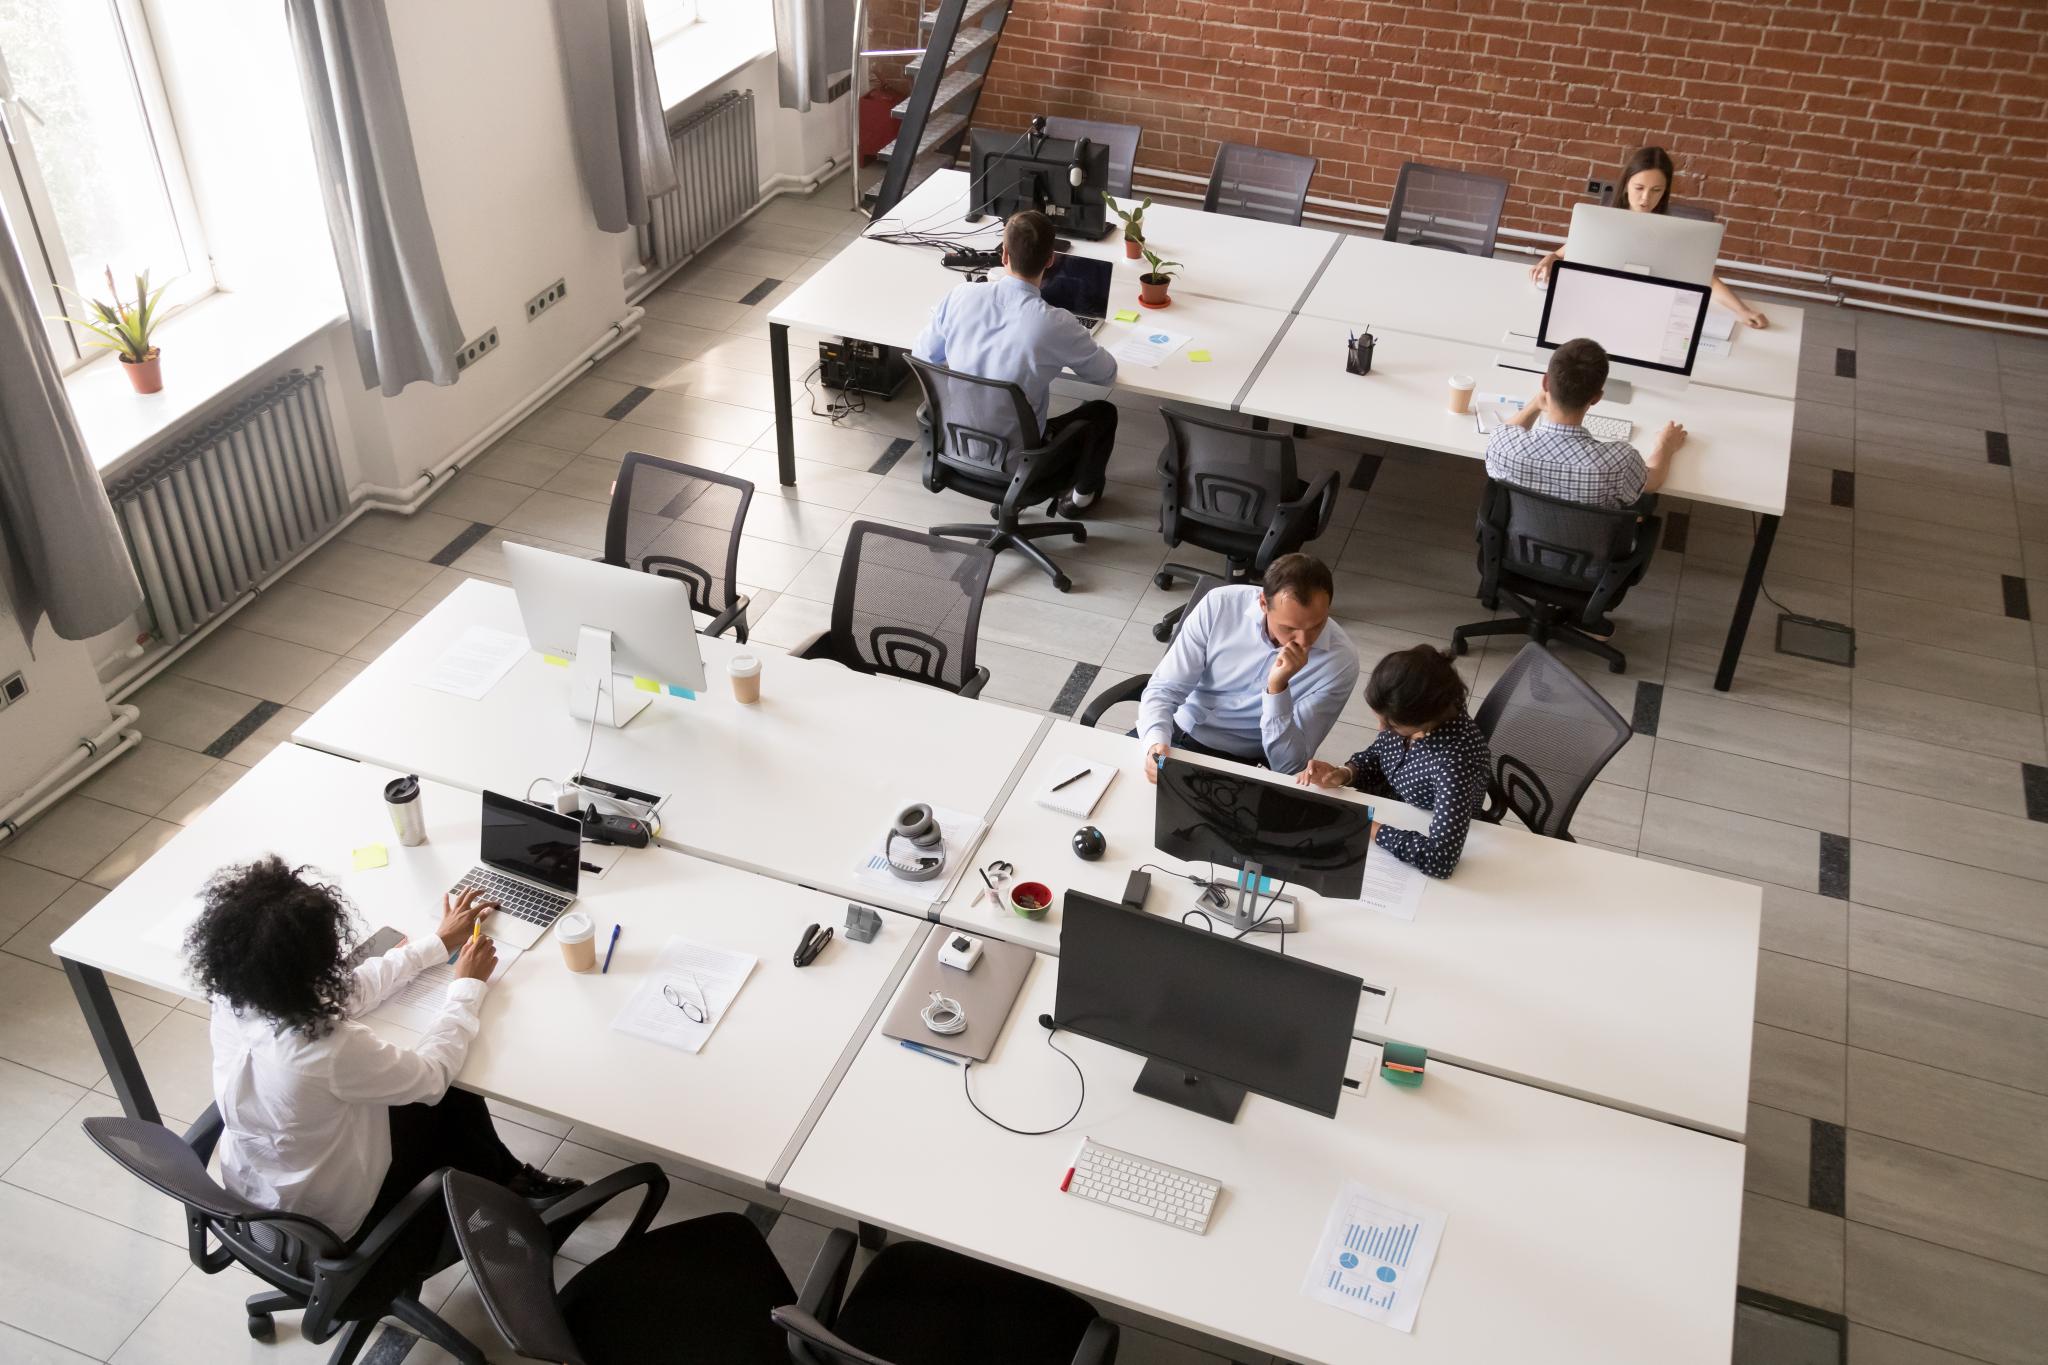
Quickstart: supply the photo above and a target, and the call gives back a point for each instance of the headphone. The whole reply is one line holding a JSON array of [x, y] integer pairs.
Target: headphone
[[1077, 174], [916, 825]]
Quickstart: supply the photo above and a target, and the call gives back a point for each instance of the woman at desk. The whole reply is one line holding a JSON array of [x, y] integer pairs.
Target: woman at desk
[[1646, 188], [1428, 753]]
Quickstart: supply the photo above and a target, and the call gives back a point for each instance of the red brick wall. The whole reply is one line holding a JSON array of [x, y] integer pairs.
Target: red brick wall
[[1903, 141]]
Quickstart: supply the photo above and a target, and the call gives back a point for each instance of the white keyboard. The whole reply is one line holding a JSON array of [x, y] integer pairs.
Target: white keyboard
[[1608, 428], [1150, 1189]]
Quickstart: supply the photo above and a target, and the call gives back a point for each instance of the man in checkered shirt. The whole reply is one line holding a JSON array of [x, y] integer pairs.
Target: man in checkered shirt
[[1546, 448]]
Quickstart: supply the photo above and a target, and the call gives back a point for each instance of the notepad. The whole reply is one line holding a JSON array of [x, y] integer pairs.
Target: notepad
[[1127, 315], [371, 856], [1077, 798], [1199, 357]]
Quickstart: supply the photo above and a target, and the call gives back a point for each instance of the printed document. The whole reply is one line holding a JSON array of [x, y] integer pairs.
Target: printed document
[[415, 1004], [1147, 346], [1389, 886], [688, 992], [471, 666], [959, 833], [1374, 1258]]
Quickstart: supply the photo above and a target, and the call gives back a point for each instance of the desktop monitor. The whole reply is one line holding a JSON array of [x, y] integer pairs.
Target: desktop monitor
[[1013, 172], [1641, 320], [1307, 838], [629, 634], [1644, 243], [1214, 1017]]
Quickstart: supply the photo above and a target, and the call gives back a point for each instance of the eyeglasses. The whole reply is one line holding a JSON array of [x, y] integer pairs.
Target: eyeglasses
[[696, 1011]]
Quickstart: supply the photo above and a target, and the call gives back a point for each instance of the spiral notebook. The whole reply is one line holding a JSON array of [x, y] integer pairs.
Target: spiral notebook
[[1076, 798]]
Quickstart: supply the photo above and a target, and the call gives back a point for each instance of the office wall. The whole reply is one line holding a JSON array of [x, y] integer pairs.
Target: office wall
[[63, 704], [1903, 143]]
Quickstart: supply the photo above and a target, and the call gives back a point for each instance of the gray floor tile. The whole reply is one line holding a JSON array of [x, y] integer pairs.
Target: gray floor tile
[[522, 463], [1952, 673], [1868, 1346], [417, 535], [1949, 1032], [1806, 997], [475, 496], [1796, 1072], [1951, 893], [1977, 1120], [147, 777], [339, 674], [1937, 770], [1791, 1251], [558, 428], [1940, 829], [363, 572], [1777, 1148], [1805, 924], [1735, 727], [33, 939], [1729, 841], [188, 804], [66, 1167], [259, 666], [1948, 1201], [1945, 1298], [1794, 796], [25, 891], [1993, 730], [1924, 502], [1901, 576], [134, 851], [79, 1281], [31, 1103], [72, 836], [201, 1319], [1954, 961], [1946, 625]]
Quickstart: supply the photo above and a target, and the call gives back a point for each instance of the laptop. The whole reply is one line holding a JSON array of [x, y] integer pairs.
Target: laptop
[[529, 860], [1079, 284]]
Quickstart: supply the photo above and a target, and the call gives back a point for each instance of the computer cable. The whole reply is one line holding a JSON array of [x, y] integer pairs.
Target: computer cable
[[943, 212], [849, 405], [1255, 926], [967, 1087], [1760, 582]]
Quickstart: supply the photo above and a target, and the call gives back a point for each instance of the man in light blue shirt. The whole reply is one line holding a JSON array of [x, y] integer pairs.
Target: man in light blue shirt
[[1004, 330], [1258, 674]]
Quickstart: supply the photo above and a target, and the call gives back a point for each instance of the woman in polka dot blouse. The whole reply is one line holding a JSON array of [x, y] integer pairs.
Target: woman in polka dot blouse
[[1428, 753]]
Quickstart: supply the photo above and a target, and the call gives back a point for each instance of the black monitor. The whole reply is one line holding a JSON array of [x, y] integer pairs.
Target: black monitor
[[1306, 838], [1012, 172], [1214, 1016]]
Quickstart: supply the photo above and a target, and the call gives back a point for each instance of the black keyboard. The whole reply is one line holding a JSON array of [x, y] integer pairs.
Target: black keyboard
[[516, 898]]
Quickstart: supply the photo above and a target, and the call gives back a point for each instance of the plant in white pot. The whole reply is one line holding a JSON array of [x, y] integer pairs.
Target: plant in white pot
[[1134, 225], [1152, 285], [127, 330]]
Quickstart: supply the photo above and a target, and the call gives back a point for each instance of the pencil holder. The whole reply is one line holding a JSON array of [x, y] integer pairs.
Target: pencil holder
[[1358, 354]]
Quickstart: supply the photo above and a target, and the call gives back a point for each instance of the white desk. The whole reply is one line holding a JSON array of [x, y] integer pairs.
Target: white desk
[[795, 787], [737, 1107], [1620, 980], [1576, 1234]]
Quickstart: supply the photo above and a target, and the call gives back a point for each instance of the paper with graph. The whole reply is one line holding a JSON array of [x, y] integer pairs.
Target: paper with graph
[[1374, 1258]]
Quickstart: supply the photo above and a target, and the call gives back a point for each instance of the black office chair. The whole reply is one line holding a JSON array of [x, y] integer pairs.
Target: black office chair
[[1446, 209], [908, 605], [1679, 208], [343, 1287], [1233, 490], [663, 488], [1120, 138], [691, 1292], [986, 442], [1132, 688], [1550, 734], [1253, 182], [1561, 566], [918, 1304]]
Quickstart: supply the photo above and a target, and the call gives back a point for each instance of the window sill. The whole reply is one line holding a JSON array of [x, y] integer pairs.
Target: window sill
[[693, 59], [209, 349]]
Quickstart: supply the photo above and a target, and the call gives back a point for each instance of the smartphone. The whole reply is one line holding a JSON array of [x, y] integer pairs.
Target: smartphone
[[376, 945]]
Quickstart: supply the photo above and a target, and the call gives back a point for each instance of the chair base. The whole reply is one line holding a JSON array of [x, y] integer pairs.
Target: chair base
[[1019, 537], [1234, 574], [1541, 623]]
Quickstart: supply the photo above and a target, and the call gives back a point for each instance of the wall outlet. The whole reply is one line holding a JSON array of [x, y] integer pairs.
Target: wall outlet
[[546, 299], [473, 351], [1603, 190], [12, 689]]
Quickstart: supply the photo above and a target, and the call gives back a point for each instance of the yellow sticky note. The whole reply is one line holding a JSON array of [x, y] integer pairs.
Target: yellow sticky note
[[1127, 315], [647, 684], [371, 856], [1199, 357], [557, 660]]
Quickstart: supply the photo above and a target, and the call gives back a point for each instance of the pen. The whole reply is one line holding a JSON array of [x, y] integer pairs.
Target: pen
[[1072, 780], [984, 879], [609, 949], [590, 867], [932, 1053]]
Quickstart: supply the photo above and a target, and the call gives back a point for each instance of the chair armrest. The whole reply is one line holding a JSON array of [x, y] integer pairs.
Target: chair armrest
[[725, 620], [1323, 492], [825, 1286], [1298, 521], [203, 1136], [1130, 689], [1623, 574], [972, 687], [801, 1326], [1098, 1344], [567, 1214], [1032, 466], [811, 648], [423, 1200]]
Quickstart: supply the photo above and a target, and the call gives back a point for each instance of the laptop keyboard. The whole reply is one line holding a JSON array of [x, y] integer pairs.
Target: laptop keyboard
[[516, 898]]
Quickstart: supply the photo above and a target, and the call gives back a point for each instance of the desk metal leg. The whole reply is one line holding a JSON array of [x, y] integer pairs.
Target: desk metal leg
[[785, 416], [872, 1237], [110, 1036], [1745, 601]]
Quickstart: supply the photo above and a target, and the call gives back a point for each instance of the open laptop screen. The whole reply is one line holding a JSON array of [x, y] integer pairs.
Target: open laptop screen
[[531, 842], [1079, 284]]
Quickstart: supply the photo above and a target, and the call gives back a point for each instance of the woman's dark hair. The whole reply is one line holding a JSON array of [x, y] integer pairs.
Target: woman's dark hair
[[1647, 159], [276, 942], [1416, 687]]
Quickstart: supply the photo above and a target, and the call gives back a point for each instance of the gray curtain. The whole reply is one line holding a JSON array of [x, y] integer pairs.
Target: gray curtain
[[813, 39], [64, 554], [615, 108], [398, 302]]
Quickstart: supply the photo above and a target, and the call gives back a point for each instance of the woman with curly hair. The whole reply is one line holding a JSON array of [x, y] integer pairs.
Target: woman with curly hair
[[323, 1117]]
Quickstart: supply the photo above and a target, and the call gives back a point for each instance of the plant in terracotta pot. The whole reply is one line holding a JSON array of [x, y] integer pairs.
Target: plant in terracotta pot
[[126, 329], [1153, 283], [1134, 225]]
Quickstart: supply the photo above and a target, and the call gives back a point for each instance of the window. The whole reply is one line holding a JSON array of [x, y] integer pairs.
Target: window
[[92, 179], [666, 18]]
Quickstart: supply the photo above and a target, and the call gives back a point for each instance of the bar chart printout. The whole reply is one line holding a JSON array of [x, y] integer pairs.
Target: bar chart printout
[[1374, 1258]]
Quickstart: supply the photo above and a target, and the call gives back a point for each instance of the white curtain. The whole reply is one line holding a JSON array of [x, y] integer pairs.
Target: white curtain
[[615, 108], [813, 39]]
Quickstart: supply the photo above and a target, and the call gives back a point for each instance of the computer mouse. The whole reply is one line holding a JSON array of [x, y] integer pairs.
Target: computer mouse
[[1089, 843]]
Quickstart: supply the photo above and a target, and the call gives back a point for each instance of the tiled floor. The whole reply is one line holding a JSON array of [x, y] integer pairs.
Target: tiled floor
[[1898, 1171]]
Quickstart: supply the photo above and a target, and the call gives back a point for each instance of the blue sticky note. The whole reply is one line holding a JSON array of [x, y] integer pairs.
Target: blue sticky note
[[685, 693]]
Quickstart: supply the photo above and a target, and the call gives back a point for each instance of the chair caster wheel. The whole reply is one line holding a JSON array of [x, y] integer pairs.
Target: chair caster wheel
[[1080, 535], [1458, 645], [262, 1326], [1063, 583], [1162, 580], [1617, 667], [1162, 632]]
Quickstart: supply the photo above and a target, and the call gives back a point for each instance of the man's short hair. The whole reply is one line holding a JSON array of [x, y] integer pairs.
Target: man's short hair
[[1577, 373], [1302, 577], [1029, 237]]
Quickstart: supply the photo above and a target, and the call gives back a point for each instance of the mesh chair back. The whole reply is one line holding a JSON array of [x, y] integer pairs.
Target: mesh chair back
[[1450, 210], [1220, 484], [909, 604], [512, 1258], [979, 426], [1550, 734], [665, 488], [1120, 138], [1254, 182], [1698, 212], [1558, 543]]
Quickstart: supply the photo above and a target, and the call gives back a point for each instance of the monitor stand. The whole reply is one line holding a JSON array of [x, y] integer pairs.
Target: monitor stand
[[594, 687], [1523, 354], [1254, 905], [1204, 1095]]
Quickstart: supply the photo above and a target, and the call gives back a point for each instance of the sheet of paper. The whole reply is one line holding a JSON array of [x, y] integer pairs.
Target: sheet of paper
[[1716, 345], [1077, 798], [961, 832], [471, 666], [1374, 1258], [1147, 346], [1720, 323], [1375, 1003], [1391, 886], [697, 974], [415, 1004]]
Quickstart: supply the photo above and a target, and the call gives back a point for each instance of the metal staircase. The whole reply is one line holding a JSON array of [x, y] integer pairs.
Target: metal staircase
[[960, 42]]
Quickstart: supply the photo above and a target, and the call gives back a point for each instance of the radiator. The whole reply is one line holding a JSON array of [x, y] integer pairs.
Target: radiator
[[214, 514], [718, 180]]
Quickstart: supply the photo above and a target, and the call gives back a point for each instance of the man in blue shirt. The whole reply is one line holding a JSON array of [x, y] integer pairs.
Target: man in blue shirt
[[1257, 673], [1004, 330]]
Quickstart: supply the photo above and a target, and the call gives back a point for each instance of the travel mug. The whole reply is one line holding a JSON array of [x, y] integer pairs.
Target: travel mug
[[745, 671], [402, 799], [577, 933]]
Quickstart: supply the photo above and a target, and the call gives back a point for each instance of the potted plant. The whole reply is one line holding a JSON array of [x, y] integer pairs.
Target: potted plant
[[1153, 283], [1134, 226], [126, 329]]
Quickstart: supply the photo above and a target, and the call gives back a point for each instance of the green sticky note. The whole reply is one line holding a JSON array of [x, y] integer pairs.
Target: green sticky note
[[647, 684], [1199, 357], [557, 660], [1127, 315], [371, 856]]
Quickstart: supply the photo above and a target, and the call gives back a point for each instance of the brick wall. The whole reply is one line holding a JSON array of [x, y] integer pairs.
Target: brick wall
[[1903, 141]]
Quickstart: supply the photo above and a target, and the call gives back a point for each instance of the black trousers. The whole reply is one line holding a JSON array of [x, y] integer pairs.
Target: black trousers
[[1097, 420], [454, 1131]]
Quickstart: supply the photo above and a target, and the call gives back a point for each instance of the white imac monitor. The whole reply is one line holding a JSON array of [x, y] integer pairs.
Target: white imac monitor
[[617, 626], [1641, 321], [1644, 243]]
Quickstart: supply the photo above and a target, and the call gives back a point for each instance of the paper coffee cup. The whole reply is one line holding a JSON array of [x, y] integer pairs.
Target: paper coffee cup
[[1461, 392], [745, 672], [577, 933]]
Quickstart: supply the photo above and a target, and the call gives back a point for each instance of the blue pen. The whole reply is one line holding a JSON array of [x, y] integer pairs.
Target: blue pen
[[609, 948], [932, 1053]]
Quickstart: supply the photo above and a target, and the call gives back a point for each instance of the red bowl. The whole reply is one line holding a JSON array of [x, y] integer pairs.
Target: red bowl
[[1031, 899]]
